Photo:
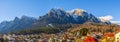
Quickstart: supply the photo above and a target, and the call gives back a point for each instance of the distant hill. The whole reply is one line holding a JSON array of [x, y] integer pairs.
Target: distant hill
[[16, 24]]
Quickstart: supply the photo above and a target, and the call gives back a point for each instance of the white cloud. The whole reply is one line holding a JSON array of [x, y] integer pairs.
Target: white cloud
[[105, 18], [108, 18]]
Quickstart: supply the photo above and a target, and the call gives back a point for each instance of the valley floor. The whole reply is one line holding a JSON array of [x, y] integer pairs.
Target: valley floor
[[62, 37]]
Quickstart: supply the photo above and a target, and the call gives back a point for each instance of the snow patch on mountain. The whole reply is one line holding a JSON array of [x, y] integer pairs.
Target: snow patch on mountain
[[78, 12], [51, 25], [75, 17], [75, 13]]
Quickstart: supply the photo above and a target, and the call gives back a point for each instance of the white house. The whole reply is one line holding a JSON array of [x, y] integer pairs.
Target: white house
[[117, 37]]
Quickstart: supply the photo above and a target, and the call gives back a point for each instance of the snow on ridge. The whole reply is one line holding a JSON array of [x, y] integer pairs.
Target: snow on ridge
[[77, 11], [58, 10]]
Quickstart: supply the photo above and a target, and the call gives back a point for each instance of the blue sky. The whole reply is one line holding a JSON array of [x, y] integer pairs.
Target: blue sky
[[34, 8]]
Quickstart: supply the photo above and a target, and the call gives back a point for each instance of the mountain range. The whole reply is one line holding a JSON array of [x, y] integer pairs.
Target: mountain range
[[56, 16]]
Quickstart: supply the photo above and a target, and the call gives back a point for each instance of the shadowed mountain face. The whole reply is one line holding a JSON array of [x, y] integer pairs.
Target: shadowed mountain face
[[59, 16], [53, 17], [16, 24]]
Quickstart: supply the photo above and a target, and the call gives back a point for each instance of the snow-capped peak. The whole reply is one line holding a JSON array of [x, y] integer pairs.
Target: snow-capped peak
[[77, 12]]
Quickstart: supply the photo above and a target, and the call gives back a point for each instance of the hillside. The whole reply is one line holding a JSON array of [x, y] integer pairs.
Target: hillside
[[92, 27]]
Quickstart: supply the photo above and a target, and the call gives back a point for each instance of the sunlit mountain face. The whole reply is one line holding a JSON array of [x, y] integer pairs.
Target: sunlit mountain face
[[55, 16]]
